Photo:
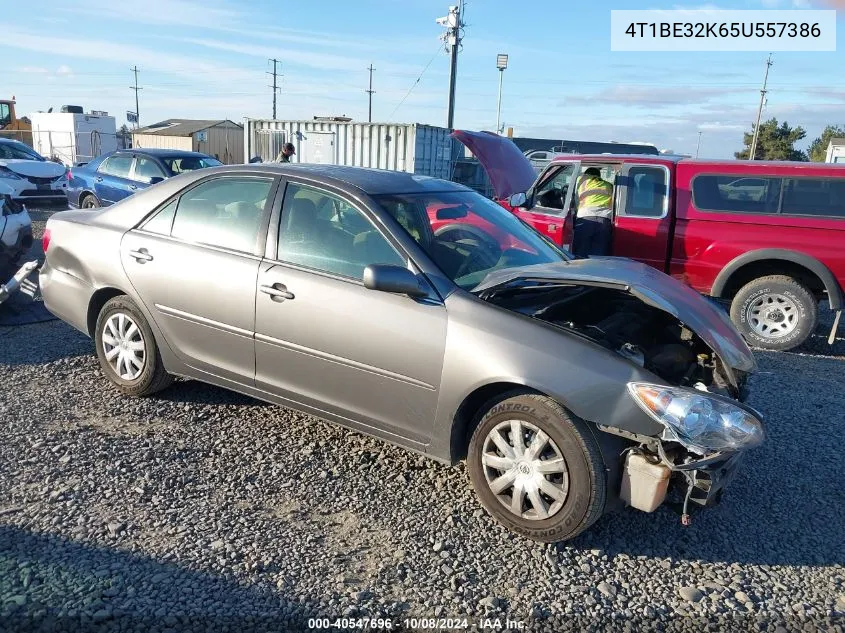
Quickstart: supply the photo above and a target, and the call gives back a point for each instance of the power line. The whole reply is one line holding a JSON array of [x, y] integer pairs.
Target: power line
[[275, 88], [414, 85], [370, 92], [136, 88]]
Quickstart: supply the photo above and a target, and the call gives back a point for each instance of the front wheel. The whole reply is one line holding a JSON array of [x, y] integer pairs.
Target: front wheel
[[775, 313], [127, 350], [536, 468]]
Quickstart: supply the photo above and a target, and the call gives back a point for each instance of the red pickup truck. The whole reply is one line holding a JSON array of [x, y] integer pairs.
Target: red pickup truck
[[767, 237]]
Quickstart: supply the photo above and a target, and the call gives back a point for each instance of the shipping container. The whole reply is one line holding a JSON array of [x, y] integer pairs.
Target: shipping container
[[71, 137], [413, 147]]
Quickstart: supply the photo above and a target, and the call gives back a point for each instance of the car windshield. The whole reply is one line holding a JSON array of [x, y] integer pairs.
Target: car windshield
[[19, 151], [180, 164], [467, 235]]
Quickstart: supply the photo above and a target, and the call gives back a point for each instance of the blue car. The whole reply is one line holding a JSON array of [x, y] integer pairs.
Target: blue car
[[112, 177]]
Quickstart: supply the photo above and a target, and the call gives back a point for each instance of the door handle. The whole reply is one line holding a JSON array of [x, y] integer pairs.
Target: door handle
[[277, 292], [141, 256]]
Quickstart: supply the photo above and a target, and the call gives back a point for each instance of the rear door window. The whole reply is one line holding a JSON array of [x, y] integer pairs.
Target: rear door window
[[645, 191], [118, 166], [810, 196], [227, 212], [736, 194]]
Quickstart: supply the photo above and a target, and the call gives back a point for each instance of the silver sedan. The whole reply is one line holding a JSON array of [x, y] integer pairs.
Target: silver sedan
[[418, 311]]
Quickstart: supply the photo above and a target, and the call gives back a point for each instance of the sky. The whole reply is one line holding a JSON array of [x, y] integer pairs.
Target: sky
[[209, 59]]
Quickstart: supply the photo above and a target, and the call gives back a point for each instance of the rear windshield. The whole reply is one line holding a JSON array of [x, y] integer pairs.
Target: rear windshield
[[823, 197], [180, 164]]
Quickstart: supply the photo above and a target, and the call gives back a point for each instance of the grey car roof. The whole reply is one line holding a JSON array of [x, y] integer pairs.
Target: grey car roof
[[371, 181]]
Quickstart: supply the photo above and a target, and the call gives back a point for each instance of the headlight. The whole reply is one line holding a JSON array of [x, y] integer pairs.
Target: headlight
[[8, 174], [701, 422]]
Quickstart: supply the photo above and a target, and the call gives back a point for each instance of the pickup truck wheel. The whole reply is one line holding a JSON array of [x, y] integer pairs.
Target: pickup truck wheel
[[775, 313], [89, 202], [127, 350], [536, 468]]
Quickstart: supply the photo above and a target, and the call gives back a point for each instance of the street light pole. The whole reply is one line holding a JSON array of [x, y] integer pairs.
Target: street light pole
[[501, 64], [698, 147]]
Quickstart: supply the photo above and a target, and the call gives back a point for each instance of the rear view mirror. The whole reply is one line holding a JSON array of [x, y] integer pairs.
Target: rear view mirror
[[452, 213], [517, 200], [394, 279], [156, 179]]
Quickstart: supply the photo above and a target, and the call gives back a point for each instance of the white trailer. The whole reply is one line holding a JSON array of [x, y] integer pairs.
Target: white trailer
[[73, 138]]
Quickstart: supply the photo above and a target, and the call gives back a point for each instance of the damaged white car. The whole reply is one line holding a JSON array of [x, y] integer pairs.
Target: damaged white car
[[15, 242]]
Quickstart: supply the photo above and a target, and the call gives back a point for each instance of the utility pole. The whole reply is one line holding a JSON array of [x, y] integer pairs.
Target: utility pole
[[370, 92], [275, 87], [763, 91], [136, 89], [698, 147], [454, 25]]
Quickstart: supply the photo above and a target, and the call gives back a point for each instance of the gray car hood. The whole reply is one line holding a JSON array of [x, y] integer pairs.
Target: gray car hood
[[661, 291]]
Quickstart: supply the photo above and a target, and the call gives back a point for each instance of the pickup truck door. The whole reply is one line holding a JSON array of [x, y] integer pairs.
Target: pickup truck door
[[642, 220], [550, 200]]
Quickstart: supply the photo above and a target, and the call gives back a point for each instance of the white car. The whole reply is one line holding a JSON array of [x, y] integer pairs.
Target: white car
[[15, 242], [32, 178]]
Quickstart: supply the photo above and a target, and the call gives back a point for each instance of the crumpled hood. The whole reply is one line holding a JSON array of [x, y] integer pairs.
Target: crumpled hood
[[700, 315], [509, 170], [33, 168]]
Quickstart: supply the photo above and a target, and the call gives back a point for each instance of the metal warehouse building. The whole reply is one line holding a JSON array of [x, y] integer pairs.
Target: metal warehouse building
[[222, 139]]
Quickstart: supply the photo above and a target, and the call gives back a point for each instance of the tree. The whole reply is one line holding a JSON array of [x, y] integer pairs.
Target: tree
[[818, 148], [775, 142]]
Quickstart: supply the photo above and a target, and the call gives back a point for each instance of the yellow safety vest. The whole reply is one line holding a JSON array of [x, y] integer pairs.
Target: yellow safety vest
[[594, 193]]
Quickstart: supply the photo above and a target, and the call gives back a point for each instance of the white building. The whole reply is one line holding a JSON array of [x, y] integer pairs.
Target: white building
[[836, 150]]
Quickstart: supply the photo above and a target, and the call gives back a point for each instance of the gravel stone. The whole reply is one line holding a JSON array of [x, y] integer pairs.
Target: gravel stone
[[691, 594]]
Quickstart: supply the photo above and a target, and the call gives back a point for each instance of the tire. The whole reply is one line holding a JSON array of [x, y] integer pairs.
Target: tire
[[89, 201], [580, 493], [143, 378], [775, 313]]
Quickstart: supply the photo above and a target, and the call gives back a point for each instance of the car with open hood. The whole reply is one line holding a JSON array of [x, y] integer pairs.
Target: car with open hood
[[570, 387], [762, 237], [32, 178]]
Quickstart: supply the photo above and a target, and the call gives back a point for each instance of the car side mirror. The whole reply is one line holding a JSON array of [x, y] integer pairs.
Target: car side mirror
[[156, 179], [394, 279], [517, 199]]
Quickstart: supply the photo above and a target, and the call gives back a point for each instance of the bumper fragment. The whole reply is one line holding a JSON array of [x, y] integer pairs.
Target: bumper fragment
[[19, 281]]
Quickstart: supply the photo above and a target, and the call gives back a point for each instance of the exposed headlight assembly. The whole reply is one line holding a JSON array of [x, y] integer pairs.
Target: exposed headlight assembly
[[8, 174], [701, 422]]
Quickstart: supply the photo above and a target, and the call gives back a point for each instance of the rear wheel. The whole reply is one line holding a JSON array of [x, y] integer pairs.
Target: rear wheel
[[89, 201], [775, 313], [536, 468], [127, 350]]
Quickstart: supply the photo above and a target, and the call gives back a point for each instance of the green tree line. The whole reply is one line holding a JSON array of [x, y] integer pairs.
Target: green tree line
[[777, 142]]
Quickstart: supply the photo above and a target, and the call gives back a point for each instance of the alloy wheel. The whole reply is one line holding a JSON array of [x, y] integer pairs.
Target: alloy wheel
[[124, 346], [525, 469], [773, 315]]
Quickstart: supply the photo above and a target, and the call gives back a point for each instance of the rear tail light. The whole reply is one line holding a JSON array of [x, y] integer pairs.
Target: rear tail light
[[68, 175], [45, 240]]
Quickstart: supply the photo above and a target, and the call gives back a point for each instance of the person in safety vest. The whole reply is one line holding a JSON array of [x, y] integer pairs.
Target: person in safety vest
[[593, 224]]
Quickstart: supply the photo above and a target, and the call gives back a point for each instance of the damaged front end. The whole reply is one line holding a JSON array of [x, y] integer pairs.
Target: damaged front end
[[699, 362], [15, 242]]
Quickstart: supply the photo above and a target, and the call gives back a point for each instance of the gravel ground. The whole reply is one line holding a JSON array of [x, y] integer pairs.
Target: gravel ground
[[205, 510]]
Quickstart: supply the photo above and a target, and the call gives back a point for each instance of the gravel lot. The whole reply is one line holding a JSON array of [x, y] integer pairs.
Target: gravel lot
[[205, 510]]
